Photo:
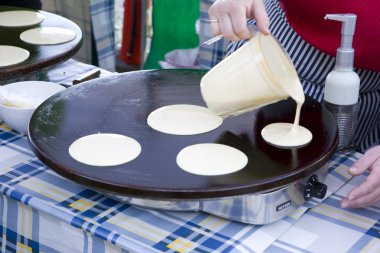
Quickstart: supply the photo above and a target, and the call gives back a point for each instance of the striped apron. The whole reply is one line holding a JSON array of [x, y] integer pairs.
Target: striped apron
[[313, 66]]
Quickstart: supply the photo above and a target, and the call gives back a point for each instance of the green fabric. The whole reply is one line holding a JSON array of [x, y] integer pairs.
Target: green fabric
[[173, 28]]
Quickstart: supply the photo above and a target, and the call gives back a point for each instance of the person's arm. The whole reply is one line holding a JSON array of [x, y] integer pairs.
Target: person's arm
[[232, 18], [368, 192]]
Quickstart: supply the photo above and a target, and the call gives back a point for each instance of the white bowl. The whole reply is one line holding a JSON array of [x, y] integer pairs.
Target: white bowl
[[18, 118]]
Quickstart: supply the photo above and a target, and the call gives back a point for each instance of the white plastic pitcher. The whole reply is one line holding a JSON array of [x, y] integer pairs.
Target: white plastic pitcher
[[257, 74]]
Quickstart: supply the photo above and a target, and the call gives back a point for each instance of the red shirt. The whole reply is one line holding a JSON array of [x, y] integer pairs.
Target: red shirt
[[307, 19]]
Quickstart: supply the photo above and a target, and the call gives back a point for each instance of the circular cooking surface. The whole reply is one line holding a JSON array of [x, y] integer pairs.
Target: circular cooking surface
[[121, 104], [41, 56]]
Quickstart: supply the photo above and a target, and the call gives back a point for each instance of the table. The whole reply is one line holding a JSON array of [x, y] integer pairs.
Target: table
[[41, 211]]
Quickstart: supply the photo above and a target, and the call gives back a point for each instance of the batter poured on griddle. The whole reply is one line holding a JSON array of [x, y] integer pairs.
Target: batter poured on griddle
[[183, 119], [287, 134]]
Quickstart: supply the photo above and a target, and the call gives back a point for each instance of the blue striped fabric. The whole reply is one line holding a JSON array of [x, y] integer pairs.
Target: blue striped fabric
[[102, 16], [95, 18], [211, 55]]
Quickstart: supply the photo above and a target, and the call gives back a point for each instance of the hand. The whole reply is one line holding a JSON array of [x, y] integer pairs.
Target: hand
[[232, 16], [368, 192]]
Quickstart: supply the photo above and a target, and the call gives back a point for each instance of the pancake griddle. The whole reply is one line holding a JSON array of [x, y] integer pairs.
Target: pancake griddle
[[121, 104], [41, 56]]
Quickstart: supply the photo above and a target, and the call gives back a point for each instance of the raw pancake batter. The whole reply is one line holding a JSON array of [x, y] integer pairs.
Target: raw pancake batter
[[10, 55], [257, 74], [104, 149], [47, 35], [287, 134], [211, 159], [20, 18], [184, 119]]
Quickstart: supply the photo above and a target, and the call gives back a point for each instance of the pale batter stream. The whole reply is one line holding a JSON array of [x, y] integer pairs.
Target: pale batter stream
[[286, 78], [287, 134], [257, 74]]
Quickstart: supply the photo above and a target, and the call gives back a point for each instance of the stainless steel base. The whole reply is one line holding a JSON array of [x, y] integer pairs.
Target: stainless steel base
[[257, 208], [346, 117]]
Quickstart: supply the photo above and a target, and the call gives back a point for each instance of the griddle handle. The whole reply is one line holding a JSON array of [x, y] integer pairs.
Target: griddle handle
[[314, 188], [92, 74]]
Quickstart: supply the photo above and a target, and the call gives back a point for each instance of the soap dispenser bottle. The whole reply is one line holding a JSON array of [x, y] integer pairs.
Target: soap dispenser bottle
[[342, 84]]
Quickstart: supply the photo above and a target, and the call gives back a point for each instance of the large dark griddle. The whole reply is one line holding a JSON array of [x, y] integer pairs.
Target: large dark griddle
[[41, 56], [120, 104]]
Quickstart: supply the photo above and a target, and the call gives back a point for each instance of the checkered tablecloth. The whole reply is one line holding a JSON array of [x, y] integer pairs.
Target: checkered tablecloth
[[42, 212]]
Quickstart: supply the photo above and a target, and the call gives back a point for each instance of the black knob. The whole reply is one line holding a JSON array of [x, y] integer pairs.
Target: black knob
[[314, 188]]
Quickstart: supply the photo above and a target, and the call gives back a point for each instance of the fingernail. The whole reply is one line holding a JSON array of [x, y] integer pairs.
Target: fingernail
[[344, 205], [353, 170], [350, 197]]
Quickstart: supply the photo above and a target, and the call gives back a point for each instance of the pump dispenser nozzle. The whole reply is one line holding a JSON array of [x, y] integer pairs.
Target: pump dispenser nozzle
[[342, 84], [345, 53]]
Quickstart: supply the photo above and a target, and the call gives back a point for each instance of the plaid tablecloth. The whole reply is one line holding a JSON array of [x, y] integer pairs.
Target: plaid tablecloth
[[42, 212]]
